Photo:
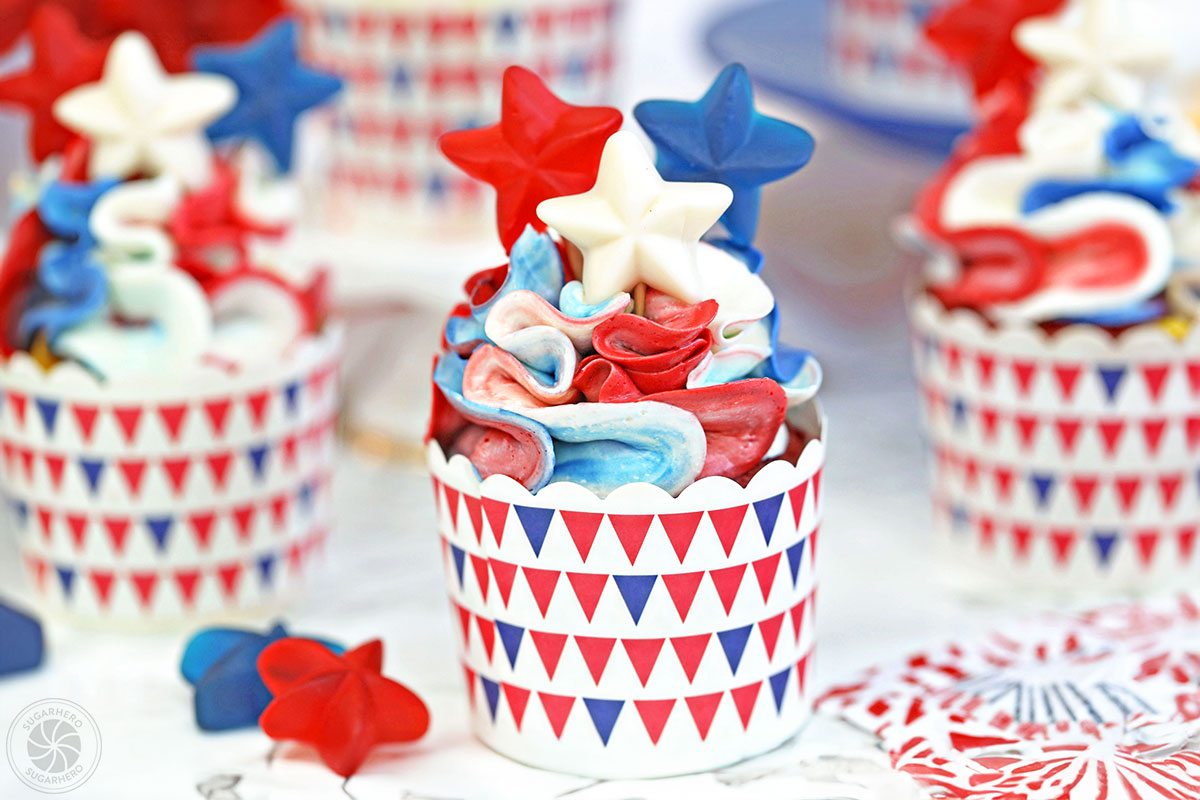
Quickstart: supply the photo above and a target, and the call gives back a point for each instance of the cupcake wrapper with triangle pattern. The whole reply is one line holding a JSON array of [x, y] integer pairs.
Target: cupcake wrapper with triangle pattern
[[639, 635], [412, 74], [173, 500], [1066, 463], [877, 50]]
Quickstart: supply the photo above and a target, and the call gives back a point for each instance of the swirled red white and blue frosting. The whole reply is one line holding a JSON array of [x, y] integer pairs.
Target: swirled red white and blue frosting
[[1075, 198], [618, 345], [151, 242]]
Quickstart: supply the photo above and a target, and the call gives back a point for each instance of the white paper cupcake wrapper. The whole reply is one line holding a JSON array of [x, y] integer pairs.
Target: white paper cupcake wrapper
[[1065, 463], [414, 73], [638, 635], [170, 500]]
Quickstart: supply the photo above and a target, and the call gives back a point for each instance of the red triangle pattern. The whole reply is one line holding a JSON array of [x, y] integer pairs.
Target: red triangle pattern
[[631, 530], [479, 565], [681, 530], [541, 583], [727, 582], [654, 714], [690, 651], [743, 699], [727, 522], [557, 708], [643, 655], [582, 527], [549, 647], [596, 651], [497, 517], [503, 574], [704, 708], [517, 699], [588, 588], [682, 588], [475, 513]]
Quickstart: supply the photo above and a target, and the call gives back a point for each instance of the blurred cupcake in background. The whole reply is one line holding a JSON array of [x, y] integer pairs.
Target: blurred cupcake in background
[[169, 382], [1054, 324]]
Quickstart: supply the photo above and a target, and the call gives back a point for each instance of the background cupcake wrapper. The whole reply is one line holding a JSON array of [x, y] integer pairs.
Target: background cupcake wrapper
[[411, 75], [637, 635], [204, 495], [1069, 463]]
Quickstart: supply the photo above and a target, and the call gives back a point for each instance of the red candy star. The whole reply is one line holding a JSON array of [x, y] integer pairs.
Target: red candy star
[[62, 60], [978, 36], [341, 705], [541, 148], [174, 27]]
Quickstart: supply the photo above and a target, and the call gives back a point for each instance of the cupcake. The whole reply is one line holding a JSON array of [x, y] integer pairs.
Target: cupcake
[[169, 389], [1054, 323], [626, 461]]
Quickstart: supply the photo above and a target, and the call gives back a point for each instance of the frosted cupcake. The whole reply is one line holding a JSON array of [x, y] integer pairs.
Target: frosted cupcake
[[1054, 325], [169, 389], [622, 449]]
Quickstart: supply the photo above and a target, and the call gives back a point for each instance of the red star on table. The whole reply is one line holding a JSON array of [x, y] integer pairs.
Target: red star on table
[[977, 35], [62, 60], [341, 705], [541, 148]]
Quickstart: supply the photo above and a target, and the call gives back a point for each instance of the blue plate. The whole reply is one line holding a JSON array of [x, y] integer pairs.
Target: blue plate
[[785, 46]]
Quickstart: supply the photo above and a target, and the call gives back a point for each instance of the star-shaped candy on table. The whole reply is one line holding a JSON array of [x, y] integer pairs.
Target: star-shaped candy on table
[[274, 89], [24, 646], [141, 120], [722, 138], [541, 148], [222, 663], [1100, 57], [977, 35], [341, 705], [633, 227], [62, 59]]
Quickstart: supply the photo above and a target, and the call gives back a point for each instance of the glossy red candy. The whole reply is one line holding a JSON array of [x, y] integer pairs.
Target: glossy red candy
[[541, 148], [62, 60], [977, 35], [341, 705]]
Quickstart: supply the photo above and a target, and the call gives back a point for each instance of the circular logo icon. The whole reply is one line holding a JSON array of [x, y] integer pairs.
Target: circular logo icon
[[54, 746]]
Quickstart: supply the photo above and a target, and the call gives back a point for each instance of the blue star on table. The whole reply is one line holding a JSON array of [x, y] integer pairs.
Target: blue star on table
[[222, 663], [274, 89], [722, 138], [21, 643]]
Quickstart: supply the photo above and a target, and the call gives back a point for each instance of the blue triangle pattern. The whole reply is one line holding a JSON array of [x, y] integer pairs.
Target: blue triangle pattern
[[266, 568], [258, 458], [795, 554], [961, 518], [767, 512], [535, 521], [779, 683], [436, 187], [459, 557], [491, 690], [304, 495], [400, 79], [604, 715], [959, 407], [291, 394], [507, 25], [733, 642], [1111, 377], [635, 591], [511, 636], [21, 509], [1105, 542], [48, 410], [160, 529], [92, 470], [66, 576], [1043, 485]]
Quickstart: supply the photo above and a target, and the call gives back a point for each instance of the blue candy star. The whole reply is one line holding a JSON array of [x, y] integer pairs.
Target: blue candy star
[[723, 139], [274, 88], [222, 663], [21, 643]]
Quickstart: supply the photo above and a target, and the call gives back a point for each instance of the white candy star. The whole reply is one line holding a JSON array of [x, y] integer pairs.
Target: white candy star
[[140, 119], [1100, 57], [633, 227]]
